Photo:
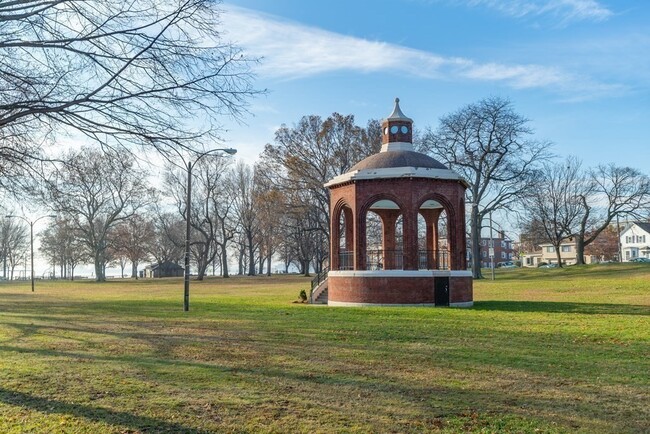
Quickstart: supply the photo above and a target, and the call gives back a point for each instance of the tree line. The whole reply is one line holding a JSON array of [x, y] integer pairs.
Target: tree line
[[136, 76], [278, 210]]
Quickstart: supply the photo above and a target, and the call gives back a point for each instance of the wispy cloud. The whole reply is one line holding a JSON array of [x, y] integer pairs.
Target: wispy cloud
[[290, 50], [563, 10]]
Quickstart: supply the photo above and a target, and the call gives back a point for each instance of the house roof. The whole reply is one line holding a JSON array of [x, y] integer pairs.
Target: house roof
[[644, 226], [164, 265]]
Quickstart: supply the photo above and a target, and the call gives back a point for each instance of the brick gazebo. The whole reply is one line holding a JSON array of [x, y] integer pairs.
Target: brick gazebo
[[398, 228]]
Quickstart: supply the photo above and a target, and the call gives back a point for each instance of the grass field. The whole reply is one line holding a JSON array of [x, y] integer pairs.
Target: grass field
[[555, 350]]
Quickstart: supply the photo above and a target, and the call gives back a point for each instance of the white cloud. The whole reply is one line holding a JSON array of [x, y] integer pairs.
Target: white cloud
[[290, 50], [564, 10]]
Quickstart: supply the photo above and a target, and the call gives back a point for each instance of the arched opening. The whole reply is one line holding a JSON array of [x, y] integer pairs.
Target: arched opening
[[384, 236], [433, 242], [345, 244]]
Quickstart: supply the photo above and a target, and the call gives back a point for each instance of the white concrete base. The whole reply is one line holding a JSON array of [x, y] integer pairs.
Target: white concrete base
[[462, 304], [400, 273], [350, 304]]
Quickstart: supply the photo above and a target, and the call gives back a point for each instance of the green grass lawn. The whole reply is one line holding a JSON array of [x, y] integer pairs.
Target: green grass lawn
[[554, 350]]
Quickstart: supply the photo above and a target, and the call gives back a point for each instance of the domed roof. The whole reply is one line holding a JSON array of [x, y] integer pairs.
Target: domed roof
[[402, 158]]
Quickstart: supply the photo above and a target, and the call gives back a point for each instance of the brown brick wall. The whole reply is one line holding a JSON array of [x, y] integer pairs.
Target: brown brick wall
[[394, 290], [461, 289]]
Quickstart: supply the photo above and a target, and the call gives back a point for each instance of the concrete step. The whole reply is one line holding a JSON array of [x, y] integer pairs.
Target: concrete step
[[322, 298]]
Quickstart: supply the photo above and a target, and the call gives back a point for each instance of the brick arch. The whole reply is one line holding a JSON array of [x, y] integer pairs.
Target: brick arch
[[369, 201], [455, 229], [442, 200], [388, 219], [338, 208], [341, 260]]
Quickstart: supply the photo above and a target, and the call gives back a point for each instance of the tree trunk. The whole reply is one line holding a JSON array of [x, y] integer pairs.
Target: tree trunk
[[224, 261], [251, 255], [99, 275], [559, 256], [475, 232], [305, 267], [134, 270], [268, 265], [580, 250]]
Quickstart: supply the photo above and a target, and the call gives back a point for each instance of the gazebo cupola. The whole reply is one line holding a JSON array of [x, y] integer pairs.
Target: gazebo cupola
[[397, 131], [398, 227]]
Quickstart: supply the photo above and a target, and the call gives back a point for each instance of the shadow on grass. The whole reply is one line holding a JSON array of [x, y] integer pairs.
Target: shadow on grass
[[592, 271], [563, 307], [97, 414]]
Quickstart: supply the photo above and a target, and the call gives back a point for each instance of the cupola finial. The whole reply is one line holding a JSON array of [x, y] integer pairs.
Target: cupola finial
[[397, 113]]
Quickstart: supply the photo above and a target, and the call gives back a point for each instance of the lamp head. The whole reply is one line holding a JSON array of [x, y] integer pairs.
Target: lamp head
[[230, 151]]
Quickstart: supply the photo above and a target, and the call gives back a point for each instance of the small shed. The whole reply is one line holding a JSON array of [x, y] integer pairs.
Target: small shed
[[164, 269]]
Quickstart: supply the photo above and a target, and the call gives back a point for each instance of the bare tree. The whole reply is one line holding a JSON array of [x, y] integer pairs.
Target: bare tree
[[605, 245], [132, 239], [96, 191], [555, 203], [169, 233], [489, 144], [60, 244], [303, 158], [268, 203], [612, 192], [14, 244], [210, 206], [241, 187], [120, 73]]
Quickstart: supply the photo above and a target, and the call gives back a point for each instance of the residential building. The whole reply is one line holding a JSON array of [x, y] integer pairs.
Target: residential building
[[548, 255], [635, 241], [503, 250]]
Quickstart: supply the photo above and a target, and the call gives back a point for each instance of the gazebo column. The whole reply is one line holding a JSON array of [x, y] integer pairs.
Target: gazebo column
[[359, 241], [335, 241], [462, 247], [410, 221], [388, 243], [456, 238], [431, 217]]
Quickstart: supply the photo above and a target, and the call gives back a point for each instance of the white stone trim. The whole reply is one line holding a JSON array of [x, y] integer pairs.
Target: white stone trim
[[332, 303], [462, 304], [396, 146], [396, 172], [351, 304], [400, 273]]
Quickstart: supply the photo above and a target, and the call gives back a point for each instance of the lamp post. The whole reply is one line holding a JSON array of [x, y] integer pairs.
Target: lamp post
[[491, 250], [31, 236], [188, 166]]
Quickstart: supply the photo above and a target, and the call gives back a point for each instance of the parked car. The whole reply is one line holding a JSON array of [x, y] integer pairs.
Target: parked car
[[640, 260], [507, 264], [548, 266]]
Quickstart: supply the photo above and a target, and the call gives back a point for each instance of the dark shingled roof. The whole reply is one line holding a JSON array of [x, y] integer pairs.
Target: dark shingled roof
[[644, 226], [389, 159]]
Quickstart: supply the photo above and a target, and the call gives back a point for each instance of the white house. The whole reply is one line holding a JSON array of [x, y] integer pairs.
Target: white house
[[568, 253], [635, 241]]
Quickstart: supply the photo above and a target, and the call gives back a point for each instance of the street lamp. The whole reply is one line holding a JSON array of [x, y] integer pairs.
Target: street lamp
[[188, 167], [491, 247], [31, 235]]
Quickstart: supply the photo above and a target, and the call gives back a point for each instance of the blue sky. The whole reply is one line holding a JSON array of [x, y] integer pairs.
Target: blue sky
[[579, 69]]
